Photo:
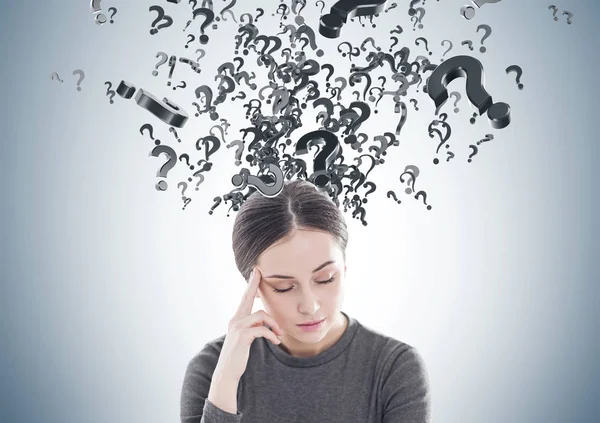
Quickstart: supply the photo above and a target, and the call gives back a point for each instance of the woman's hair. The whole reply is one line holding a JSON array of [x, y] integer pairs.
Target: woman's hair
[[262, 221]]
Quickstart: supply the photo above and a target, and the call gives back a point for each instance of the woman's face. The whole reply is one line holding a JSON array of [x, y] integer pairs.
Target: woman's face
[[296, 265]]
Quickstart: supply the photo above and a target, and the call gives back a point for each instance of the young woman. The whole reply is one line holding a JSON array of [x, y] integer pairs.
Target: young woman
[[273, 367]]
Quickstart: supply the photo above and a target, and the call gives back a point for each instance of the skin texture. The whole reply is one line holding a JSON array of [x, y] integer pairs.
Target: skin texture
[[298, 255]]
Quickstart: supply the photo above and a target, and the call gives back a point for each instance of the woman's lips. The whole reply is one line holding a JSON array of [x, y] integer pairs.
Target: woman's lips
[[312, 328], [312, 324]]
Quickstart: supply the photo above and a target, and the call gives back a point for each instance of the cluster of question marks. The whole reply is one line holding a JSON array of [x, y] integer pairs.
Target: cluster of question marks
[[330, 25], [99, 17], [79, 72], [565, 12]]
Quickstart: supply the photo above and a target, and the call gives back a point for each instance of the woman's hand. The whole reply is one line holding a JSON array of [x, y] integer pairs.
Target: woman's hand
[[243, 329]]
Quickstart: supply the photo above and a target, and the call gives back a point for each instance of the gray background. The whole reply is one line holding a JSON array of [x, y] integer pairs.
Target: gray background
[[109, 287]]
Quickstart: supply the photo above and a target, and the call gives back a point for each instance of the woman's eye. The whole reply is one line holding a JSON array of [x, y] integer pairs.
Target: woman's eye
[[279, 291]]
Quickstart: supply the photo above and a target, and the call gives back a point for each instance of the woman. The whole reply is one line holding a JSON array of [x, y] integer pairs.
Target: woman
[[336, 371]]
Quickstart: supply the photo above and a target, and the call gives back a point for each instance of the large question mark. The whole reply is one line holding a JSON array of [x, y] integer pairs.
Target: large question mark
[[472, 69], [170, 164], [210, 16], [330, 24], [323, 160]]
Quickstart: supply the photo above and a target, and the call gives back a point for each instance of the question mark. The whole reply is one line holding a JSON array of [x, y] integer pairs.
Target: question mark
[[473, 153], [162, 172], [555, 11], [100, 18], [519, 72], [217, 202], [210, 16], [109, 92], [330, 24], [324, 159], [471, 68], [468, 11], [449, 48], [393, 194], [114, 10], [425, 42], [81, 76], [261, 182], [150, 129], [190, 40], [164, 56], [456, 102], [488, 32]]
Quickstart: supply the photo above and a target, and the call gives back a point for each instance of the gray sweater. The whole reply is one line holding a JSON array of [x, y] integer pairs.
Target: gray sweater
[[365, 377]]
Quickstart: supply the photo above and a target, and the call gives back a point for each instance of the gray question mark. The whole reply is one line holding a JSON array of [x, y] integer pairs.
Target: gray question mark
[[488, 32], [164, 56], [468, 11], [170, 164], [81, 76]]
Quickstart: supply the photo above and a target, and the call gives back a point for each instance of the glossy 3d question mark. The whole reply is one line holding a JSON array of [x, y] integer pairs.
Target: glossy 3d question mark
[[323, 160], [100, 18], [470, 68], [330, 24], [468, 11], [261, 182]]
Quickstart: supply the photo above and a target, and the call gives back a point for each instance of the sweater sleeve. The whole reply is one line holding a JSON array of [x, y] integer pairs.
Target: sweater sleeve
[[406, 397], [195, 407]]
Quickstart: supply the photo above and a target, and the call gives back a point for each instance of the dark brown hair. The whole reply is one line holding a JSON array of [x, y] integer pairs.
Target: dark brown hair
[[262, 221]]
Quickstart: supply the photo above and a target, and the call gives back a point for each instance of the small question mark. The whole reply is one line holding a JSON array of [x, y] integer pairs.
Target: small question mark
[[57, 77], [488, 32], [114, 10], [190, 40], [150, 129], [168, 165], [425, 42], [81, 76], [393, 194], [449, 48], [217, 202], [519, 72], [457, 95], [569, 16], [475, 149], [424, 194], [109, 92], [164, 56]]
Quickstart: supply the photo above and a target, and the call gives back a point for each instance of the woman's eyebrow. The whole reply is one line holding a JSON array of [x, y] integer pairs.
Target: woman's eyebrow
[[291, 277]]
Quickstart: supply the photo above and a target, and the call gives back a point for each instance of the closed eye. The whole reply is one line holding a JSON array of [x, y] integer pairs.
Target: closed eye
[[279, 291]]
